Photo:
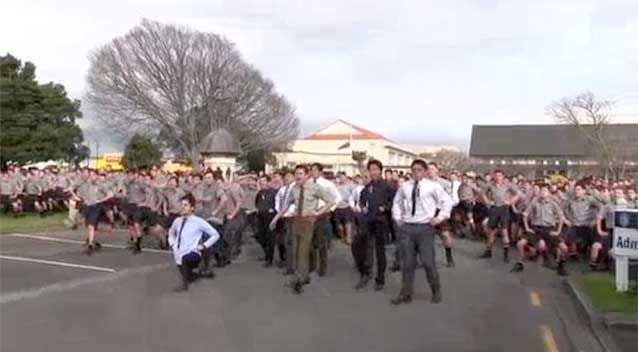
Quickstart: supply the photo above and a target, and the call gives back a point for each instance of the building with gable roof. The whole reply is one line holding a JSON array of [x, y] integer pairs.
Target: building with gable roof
[[335, 144]]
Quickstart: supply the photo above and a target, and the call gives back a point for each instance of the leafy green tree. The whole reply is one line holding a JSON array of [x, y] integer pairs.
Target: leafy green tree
[[141, 153], [38, 121]]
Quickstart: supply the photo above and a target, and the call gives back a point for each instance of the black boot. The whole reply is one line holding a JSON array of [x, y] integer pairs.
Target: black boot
[[518, 267], [185, 276], [89, 249], [363, 282], [506, 255], [448, 257], [436, 293], [487, 254], [137, 246], [561, 270], [401, 299]]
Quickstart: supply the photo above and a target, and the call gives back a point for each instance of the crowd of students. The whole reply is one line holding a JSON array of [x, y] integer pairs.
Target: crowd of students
[[296, 214]]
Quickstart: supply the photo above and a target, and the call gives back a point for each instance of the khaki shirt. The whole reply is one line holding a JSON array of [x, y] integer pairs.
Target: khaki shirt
[[313, 194], [544, 212], [173, 197], [581, 211], [234, 195], [500, 194], [7, 186]]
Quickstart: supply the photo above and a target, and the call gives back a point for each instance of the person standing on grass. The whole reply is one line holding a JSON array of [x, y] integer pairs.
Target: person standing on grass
[[191, 239]]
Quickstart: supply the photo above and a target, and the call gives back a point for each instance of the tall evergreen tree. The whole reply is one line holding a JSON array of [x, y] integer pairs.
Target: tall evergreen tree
[[37, 121]]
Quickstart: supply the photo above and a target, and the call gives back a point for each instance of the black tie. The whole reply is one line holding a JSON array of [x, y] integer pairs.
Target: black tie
[[415, 194], [179, 235]]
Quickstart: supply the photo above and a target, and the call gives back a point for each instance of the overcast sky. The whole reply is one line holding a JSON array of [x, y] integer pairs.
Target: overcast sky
[[416, 71]]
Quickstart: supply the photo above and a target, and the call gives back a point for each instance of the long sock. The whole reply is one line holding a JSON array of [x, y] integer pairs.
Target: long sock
[[448, 253]]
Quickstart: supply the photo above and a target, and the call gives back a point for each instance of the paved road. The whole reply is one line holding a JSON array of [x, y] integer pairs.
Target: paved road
[[248, 308]]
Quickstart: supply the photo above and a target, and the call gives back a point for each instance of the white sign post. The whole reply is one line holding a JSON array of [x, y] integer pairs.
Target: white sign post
[[625, 244]]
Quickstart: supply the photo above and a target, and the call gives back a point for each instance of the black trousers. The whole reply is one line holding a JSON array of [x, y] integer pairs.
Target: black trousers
[[369, 244], [265, 236], [192, 261]]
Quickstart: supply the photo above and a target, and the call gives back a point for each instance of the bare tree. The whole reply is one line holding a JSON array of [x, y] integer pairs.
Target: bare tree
[[452, 160], [169, 81], [591, 118]]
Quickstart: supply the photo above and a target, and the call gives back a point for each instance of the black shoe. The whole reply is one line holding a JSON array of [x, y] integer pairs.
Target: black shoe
[[89, 250], [593, 266], [487, 254], [518, 267], [363, 282], [401, 299], [297, 287], [506, 255], [181, 288], [561, 268], [267, 265], [98, 246], [436, 295], [207, 274], [395, 267], [281, 264], [305, 282], [378, 286], [450, 262], [288, 272], [261, 259]]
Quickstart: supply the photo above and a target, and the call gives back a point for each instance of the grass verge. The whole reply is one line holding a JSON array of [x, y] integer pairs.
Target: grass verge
[[601, 290], [31, 223]]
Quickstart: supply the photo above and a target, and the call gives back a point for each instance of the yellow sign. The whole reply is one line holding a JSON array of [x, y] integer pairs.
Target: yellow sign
[[111, 161]]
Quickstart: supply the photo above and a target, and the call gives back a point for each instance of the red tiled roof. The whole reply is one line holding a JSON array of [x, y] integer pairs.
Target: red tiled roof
[[364, 134]]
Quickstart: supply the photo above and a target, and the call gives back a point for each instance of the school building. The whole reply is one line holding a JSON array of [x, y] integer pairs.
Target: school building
[[539, 150]]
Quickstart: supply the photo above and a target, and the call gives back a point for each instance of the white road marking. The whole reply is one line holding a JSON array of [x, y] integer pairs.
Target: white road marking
[[69, 285], [56, 263], [64, 240]]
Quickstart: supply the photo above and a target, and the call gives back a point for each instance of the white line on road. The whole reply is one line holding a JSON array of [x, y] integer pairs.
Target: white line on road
[[51, 262], [69, 285], [64, 240]]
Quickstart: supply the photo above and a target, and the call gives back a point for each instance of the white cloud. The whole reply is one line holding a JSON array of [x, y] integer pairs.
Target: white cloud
[[419, 71]]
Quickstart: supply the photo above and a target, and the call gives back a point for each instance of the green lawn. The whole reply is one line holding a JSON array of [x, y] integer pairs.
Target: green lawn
[[601, 289], [31, 223]]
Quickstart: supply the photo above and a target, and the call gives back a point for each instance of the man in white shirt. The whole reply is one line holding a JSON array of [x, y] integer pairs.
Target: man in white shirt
[[323, 228], [282, 226], [191, 239], [414, 207]]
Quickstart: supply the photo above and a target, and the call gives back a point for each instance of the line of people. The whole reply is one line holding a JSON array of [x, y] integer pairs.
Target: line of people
[[297, 213]]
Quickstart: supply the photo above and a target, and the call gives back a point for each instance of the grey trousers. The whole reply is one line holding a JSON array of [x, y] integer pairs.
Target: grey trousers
[[417, 239]]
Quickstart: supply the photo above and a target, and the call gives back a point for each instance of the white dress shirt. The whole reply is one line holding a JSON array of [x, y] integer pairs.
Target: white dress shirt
[[455, 191], [356, 196], [430, 197], [281, 199], [332, 188], [188, 240]]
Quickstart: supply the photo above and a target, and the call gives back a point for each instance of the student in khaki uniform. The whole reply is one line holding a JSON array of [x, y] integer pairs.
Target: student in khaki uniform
[[499, 196], [92, 194], [233, 222], [305, 196], [546, 218]]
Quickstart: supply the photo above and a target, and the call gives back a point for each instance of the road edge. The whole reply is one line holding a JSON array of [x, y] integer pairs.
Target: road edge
[[596, 321]]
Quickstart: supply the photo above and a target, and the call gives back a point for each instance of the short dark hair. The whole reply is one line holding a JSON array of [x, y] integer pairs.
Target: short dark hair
[[199, 176], [317, 165], [302, 167], [375, 162], [499, 171], [189, 198], [433, 163], [174, 178], [266, 177], [419, 162], [388, 170]]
